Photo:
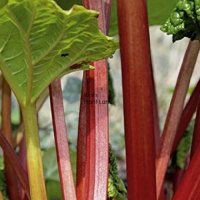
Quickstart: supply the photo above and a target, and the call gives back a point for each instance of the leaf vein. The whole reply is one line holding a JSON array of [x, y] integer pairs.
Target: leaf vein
[[53, 45]]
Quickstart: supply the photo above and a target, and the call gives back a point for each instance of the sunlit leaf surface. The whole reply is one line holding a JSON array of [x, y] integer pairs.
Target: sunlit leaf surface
[[39, 42]]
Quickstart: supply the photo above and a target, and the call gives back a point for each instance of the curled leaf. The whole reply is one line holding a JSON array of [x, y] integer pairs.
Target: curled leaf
[[184, 20]]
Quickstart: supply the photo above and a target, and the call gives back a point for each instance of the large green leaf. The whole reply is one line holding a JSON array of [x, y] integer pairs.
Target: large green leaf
[[39, 42]]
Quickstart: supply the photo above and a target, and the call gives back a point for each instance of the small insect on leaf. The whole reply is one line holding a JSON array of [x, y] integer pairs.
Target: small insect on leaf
[[64, 54]]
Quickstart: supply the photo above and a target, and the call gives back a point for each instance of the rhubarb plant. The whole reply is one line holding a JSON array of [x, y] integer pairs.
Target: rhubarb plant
[[40, 42]]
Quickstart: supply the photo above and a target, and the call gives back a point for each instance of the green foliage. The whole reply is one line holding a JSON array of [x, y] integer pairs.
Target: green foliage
[[66, 5], [189, 92], [159, 10], [116, 188], [184, 20], [184, 146], [53, 190], [51, 172], [3, 3], [3, 185], [33, 37]]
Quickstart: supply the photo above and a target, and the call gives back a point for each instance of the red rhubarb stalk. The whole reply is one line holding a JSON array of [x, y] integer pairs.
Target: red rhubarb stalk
[[14, 162], [138, 94], [11, 179], [187, 114], [175, 111], [92, 156], [85, 144], [156, 117], [62, 148], [108, 8], [190, 184], [196, 135], [179, 174]]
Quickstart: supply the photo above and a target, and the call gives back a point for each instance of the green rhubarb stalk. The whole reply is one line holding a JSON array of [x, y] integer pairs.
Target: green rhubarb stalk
[[34, 160]]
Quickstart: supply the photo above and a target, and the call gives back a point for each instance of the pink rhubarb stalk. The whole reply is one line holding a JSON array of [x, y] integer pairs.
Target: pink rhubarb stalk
[[14, 162], [62, 148], [107, 8], [92, 157], [11, 179], [187, 114], [196, 135]]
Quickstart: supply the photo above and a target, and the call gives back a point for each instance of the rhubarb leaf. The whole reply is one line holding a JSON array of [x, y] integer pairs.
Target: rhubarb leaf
[[40, 42]]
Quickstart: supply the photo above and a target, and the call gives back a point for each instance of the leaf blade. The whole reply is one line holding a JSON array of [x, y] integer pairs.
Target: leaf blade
[[40, 40]]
